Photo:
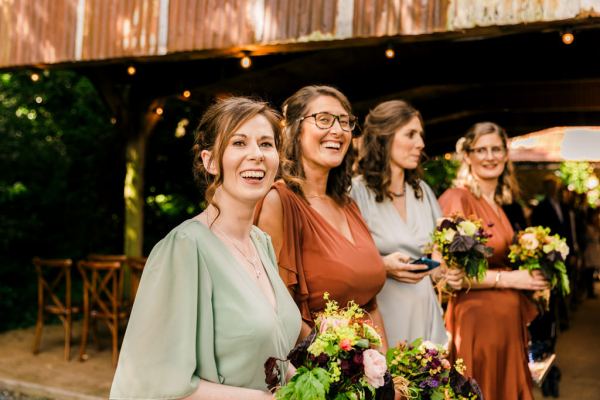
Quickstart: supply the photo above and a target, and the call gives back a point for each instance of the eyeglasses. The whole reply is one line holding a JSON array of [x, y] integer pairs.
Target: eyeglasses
[[482, 152], [325, 120]]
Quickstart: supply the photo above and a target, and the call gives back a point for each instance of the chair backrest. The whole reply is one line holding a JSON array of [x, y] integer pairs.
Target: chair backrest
[[107, 257], [102, 282], [136, 267], [54, 275]]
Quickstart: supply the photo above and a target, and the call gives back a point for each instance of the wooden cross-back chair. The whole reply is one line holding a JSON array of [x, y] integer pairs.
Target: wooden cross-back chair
[[54, 297], [102, 299], [136, 267]]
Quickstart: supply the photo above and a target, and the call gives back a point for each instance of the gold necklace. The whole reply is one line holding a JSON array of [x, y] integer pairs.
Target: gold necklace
[[253, 261]]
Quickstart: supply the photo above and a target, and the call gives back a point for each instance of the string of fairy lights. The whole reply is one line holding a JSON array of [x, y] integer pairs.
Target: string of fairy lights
[[245, 60]]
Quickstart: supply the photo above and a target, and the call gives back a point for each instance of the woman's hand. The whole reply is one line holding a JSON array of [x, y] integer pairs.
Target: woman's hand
[[454, 278], [522, 279], [398, 268]]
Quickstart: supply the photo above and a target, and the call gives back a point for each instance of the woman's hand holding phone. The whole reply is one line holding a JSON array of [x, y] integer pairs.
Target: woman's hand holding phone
[[398, 267]]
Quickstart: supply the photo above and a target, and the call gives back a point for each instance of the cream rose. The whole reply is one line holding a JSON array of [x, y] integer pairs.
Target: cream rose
[[375, 367]]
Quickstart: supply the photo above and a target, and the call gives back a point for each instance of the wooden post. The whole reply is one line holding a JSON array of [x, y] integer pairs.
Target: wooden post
[[133, 191]]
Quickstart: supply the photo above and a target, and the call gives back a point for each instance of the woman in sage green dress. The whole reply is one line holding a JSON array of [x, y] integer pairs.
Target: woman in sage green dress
[[401, 212], [211, 308]]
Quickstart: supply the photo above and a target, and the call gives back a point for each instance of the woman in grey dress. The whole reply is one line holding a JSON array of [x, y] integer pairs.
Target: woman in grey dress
[[401, 212]]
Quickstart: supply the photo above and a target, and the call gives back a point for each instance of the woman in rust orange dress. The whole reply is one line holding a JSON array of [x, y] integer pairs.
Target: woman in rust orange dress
[[488, 323], [321, 240]]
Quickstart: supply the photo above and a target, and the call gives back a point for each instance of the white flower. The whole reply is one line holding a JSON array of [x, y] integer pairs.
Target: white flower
[[529, 241], [427, 344], [563, 249], [449, 235], [467, 228], [375, 367]]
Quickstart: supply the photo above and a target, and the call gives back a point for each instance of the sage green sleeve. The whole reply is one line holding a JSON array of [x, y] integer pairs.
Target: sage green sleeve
[[160, 356]]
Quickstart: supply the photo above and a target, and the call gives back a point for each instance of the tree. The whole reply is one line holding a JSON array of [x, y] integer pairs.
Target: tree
[[61, 175]]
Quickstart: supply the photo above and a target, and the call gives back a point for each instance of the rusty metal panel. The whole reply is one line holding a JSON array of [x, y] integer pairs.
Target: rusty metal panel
[[120, 28], [376, 18], [51, 31]]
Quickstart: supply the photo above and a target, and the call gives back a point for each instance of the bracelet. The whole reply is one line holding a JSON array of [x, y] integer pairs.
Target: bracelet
[[498, 275]]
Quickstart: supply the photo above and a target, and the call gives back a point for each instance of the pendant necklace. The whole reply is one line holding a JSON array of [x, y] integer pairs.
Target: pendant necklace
[[397, 194], [253, 261]]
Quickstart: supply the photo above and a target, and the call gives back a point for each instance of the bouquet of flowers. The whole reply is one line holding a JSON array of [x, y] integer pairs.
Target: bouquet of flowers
[[336, 361], [461, 242], [536, 249], [421, 371]]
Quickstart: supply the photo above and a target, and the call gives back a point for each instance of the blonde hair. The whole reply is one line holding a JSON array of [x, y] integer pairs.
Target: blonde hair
[[508, 188]]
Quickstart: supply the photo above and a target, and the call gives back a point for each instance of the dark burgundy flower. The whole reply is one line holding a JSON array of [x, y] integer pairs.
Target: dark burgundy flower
[[447, 224], [461, 244], [358, 358], [272, 373]]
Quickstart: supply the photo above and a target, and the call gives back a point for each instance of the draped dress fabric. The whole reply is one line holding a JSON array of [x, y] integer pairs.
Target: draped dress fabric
[[199, 314], [316, 258], [409, 311], [489, 327]]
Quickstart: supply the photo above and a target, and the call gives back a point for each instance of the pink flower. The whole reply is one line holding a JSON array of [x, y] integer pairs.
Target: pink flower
[[345, 344], [445, 364], [375, 367], [333, 323]]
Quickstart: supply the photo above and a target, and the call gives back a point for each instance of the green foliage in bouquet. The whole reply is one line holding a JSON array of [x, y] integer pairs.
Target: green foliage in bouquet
[[536, 249], [337, 361], [421, 371], [461, 242]]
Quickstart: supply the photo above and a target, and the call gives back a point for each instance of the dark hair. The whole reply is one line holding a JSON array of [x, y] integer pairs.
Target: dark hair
[[294, 108], [378, 134], [217, 126], [508, 187]]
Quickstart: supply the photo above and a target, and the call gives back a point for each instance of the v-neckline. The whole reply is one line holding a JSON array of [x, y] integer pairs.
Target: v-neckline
[[241, 269], [397, 213], [498, 220], [331, 227]]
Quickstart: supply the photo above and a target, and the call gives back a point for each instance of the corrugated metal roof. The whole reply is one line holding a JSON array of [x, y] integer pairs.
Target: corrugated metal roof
[[54, 31]]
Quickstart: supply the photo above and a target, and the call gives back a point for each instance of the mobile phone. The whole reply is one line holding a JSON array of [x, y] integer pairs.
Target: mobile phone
[[431, 264]]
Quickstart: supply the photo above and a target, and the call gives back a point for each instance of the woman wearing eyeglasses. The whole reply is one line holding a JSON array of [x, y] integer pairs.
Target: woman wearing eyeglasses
[[320, 239], [488, 322]]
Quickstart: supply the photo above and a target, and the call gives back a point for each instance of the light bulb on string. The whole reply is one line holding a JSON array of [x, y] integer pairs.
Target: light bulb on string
[[567, 37], [389, 52], [246, 61]]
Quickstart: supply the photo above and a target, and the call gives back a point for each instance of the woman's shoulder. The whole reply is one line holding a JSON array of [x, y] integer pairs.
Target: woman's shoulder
[[457, 199], [191, 229], [187, 235], [426, 189], [457, 193], [263, 237], [360, 191]]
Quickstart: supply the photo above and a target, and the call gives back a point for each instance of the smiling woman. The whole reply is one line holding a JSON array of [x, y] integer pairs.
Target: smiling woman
[[211, 307], [320, 238], [488, 323]]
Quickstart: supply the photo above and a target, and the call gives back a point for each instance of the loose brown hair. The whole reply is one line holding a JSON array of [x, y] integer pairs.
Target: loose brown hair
[[294, 108], [381, 125], [216, 127], [508, 187]]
